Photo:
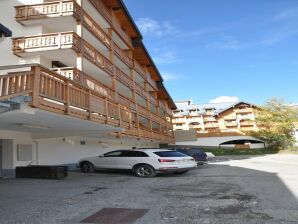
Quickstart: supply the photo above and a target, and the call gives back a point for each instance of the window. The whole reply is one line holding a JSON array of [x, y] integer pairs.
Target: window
[[134, 154], [169, 154], [113, 154]]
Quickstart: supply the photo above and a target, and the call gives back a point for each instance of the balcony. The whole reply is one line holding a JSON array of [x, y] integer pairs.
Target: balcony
[[231, 124], [178, 121], [121, 33], [247, 123], [47, 10], [194, 126], [123, 56], [211, 125], [207, 119], [231, 118], [244, 110], [103, 10], [87, 81], [152, 83], [69, 93], [96, 30], [46, 42], [153, 100], [97, 58], [123, 78], [141, 91], [139, 69]]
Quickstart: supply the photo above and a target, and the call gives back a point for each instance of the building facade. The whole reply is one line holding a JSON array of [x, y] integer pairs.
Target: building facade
[[75, 78], [214, 119], [215, 124]]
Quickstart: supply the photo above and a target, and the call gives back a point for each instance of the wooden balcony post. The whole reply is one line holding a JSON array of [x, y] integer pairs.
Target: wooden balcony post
[[36, 85], [106, 109], [89, 105], [119, 115], [67, 98]]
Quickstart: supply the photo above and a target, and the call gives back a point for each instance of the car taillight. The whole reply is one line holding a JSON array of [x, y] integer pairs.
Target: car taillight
[[166, 160]]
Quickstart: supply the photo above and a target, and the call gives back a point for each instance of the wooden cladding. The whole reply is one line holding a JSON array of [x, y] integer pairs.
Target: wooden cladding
[[47, 9], [59, 94]]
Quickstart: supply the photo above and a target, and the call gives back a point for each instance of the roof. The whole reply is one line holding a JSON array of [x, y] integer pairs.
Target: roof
[[126, 18], [186, 105]]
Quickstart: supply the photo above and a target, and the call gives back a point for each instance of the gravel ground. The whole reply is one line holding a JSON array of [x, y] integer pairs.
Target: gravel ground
[[236, 189]]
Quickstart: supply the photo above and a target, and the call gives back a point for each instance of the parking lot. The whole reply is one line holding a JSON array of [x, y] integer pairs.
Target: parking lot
[[236, 189]]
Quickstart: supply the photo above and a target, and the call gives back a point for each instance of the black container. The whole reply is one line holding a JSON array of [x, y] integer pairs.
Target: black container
[[47, 172]]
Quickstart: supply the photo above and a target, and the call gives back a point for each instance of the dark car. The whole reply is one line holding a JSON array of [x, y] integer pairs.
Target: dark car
[[199, 155]]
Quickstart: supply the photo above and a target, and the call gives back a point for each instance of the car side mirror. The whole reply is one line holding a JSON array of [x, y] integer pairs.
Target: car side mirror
[[101, 156]]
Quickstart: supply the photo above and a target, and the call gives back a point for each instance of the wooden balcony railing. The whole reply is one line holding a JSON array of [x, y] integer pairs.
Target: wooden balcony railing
[[126, 102], [48, 9], [52, 41], [15, 84], [209, 119], [123, 78], [231, 124], [153, 100], [97, 58], [143, 111], [247, 123], [123, 56], [105, 12], [87, 81], [151, 82], [141, 91], [211, 125], [139, 69], [121, 33], [94, 28], [244, 110], [70, 94]]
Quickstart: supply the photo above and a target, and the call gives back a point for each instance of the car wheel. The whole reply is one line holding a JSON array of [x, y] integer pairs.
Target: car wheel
[[87, 167], [144, 171], [181, 172]]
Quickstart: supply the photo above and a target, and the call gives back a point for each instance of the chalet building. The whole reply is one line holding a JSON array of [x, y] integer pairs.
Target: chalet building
[[214, 124], [75, 79]]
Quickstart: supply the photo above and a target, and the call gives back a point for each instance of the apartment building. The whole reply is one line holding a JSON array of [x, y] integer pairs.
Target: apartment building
[[214, 118], [75, 78], [215, 123]]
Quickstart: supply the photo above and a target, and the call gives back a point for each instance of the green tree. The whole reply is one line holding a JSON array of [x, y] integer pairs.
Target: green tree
[[275, 121]]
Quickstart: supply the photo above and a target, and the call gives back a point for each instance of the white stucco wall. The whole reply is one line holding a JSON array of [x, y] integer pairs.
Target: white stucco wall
[[215, 141], [7, 18], [68, 150], [296, 136]]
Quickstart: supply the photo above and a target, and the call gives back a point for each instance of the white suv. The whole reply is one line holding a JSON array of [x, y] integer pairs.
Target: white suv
[[143, 162]]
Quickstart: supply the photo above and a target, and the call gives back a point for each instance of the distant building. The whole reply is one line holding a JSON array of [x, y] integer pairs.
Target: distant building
[[214, 119], [216, 123]]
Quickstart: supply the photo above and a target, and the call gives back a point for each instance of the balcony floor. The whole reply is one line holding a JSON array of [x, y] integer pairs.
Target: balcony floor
[[44, 124]]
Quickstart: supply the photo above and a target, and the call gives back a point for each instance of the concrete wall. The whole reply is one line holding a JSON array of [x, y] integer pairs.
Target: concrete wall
[[216, 141]]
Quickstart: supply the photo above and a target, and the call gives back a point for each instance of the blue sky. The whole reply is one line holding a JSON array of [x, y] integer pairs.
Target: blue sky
[[210, 48]]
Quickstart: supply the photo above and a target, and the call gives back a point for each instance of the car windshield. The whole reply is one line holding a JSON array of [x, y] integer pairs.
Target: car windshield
[[169, 154]]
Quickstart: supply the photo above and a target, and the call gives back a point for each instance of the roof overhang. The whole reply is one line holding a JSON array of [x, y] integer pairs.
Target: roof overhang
[[124, 17]]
